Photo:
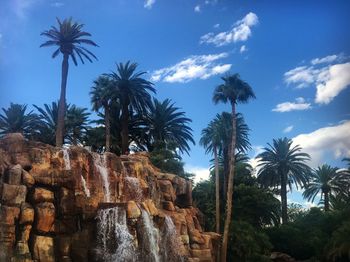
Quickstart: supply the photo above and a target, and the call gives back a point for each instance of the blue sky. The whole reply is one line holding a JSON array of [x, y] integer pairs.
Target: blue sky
[[295, 55]]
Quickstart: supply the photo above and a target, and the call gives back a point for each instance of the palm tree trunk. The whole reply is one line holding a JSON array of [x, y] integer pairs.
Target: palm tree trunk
[[229, 185], [125, 128], [108, 129], [284, 196], [217, 191], [62, 103], [226, 169], [326, 201]]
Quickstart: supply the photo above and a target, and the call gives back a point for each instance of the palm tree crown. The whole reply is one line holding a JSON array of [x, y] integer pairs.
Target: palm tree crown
[[282, 164], [69, 37], [326, 180]]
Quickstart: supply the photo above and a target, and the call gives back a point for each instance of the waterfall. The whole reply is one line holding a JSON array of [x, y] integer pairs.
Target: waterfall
[[149, 239], [100, 164], [135, 188], [170, 247], [115, 243], [66, 159], [86, 189]]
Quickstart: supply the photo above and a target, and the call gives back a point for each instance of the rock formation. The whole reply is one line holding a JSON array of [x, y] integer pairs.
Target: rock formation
[[74, 205]]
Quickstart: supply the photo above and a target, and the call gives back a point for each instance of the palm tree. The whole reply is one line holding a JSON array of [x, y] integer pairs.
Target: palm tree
[[69, 38], [325, 180], [132, 91], [101, 97], [165, 123], [15, 120], [211, 141], [234, 90], [283, 165], [77, 124]]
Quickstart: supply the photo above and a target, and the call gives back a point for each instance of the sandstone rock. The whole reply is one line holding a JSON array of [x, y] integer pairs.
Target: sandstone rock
[[7, 234], [22, 249], [42, 195], [185, 239], [14, 175], [44, 217], [55, 177], [9, 215], [67, 201], [132, 210], [168, 205], [27, 179], [66, 225], [63, 244], [13, 195], [6, 250], [25, 233], [27, 214], [150, 207], [202, 254], [43, 249], [196, 237]]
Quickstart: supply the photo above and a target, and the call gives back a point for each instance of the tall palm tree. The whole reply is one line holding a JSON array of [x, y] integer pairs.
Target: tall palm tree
[[211, 141], [69, 38], [282, 165], [325, 180], [165, 123], [77, 121], [102, 97], [234, 90], [133, 92], [15, 119]]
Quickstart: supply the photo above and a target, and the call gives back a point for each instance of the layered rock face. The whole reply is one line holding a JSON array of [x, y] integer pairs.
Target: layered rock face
[[74, 205]]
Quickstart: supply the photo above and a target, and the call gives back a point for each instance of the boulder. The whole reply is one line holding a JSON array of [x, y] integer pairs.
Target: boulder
[[67, 201], [27, 214], [7, 234], [42, 195], [13, 195], [25, 233], [14, 175], [43, 249], [168, 205], [9, 215], [44, 217], [55, 177], [203, 254], [27, 179], [132, 210]]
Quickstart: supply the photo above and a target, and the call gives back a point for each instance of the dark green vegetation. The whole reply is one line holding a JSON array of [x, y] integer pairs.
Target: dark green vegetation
[[238, 205]]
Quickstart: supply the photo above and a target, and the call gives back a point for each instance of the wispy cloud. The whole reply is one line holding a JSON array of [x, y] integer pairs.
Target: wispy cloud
[[243, 49], [329, 79], [216, 25], [193, 67], [326, 142], [288, 129], [21, 7], [57, 4], [202, 173], [149, 3], [197, 8], [240, 31], [299, 104]]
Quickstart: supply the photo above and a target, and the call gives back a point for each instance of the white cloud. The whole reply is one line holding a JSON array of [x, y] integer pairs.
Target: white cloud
[[216, 25], [201, 173], [193, 67], [243, 49], [288, 129], [57, 4], [254, 161], [21, 7], [327, 59], [336, 79], [241, 31], [197, 8], [326, 142], [149, 3], [299, 104], [303, 76]]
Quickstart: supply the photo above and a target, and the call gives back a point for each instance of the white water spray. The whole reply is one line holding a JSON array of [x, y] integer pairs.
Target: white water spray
[[115, 243], [100, 164], [85, 187], [170, 247], [135, 188], [66, 159], [150, 239]]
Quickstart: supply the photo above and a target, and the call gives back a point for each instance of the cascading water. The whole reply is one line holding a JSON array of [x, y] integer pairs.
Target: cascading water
[[85, 187], [170, 248], [134, 187], [66, 159], [115, 243], [100, 164], [149, 239]]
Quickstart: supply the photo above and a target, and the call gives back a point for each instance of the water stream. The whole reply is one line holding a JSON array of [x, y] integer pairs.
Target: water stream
[[170, 248], [150, 238], [115, 243], [66, 159], [85, 187], [100, 164]]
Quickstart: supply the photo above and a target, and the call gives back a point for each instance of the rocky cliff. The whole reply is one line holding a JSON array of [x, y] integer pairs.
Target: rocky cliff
[[74, 205]]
